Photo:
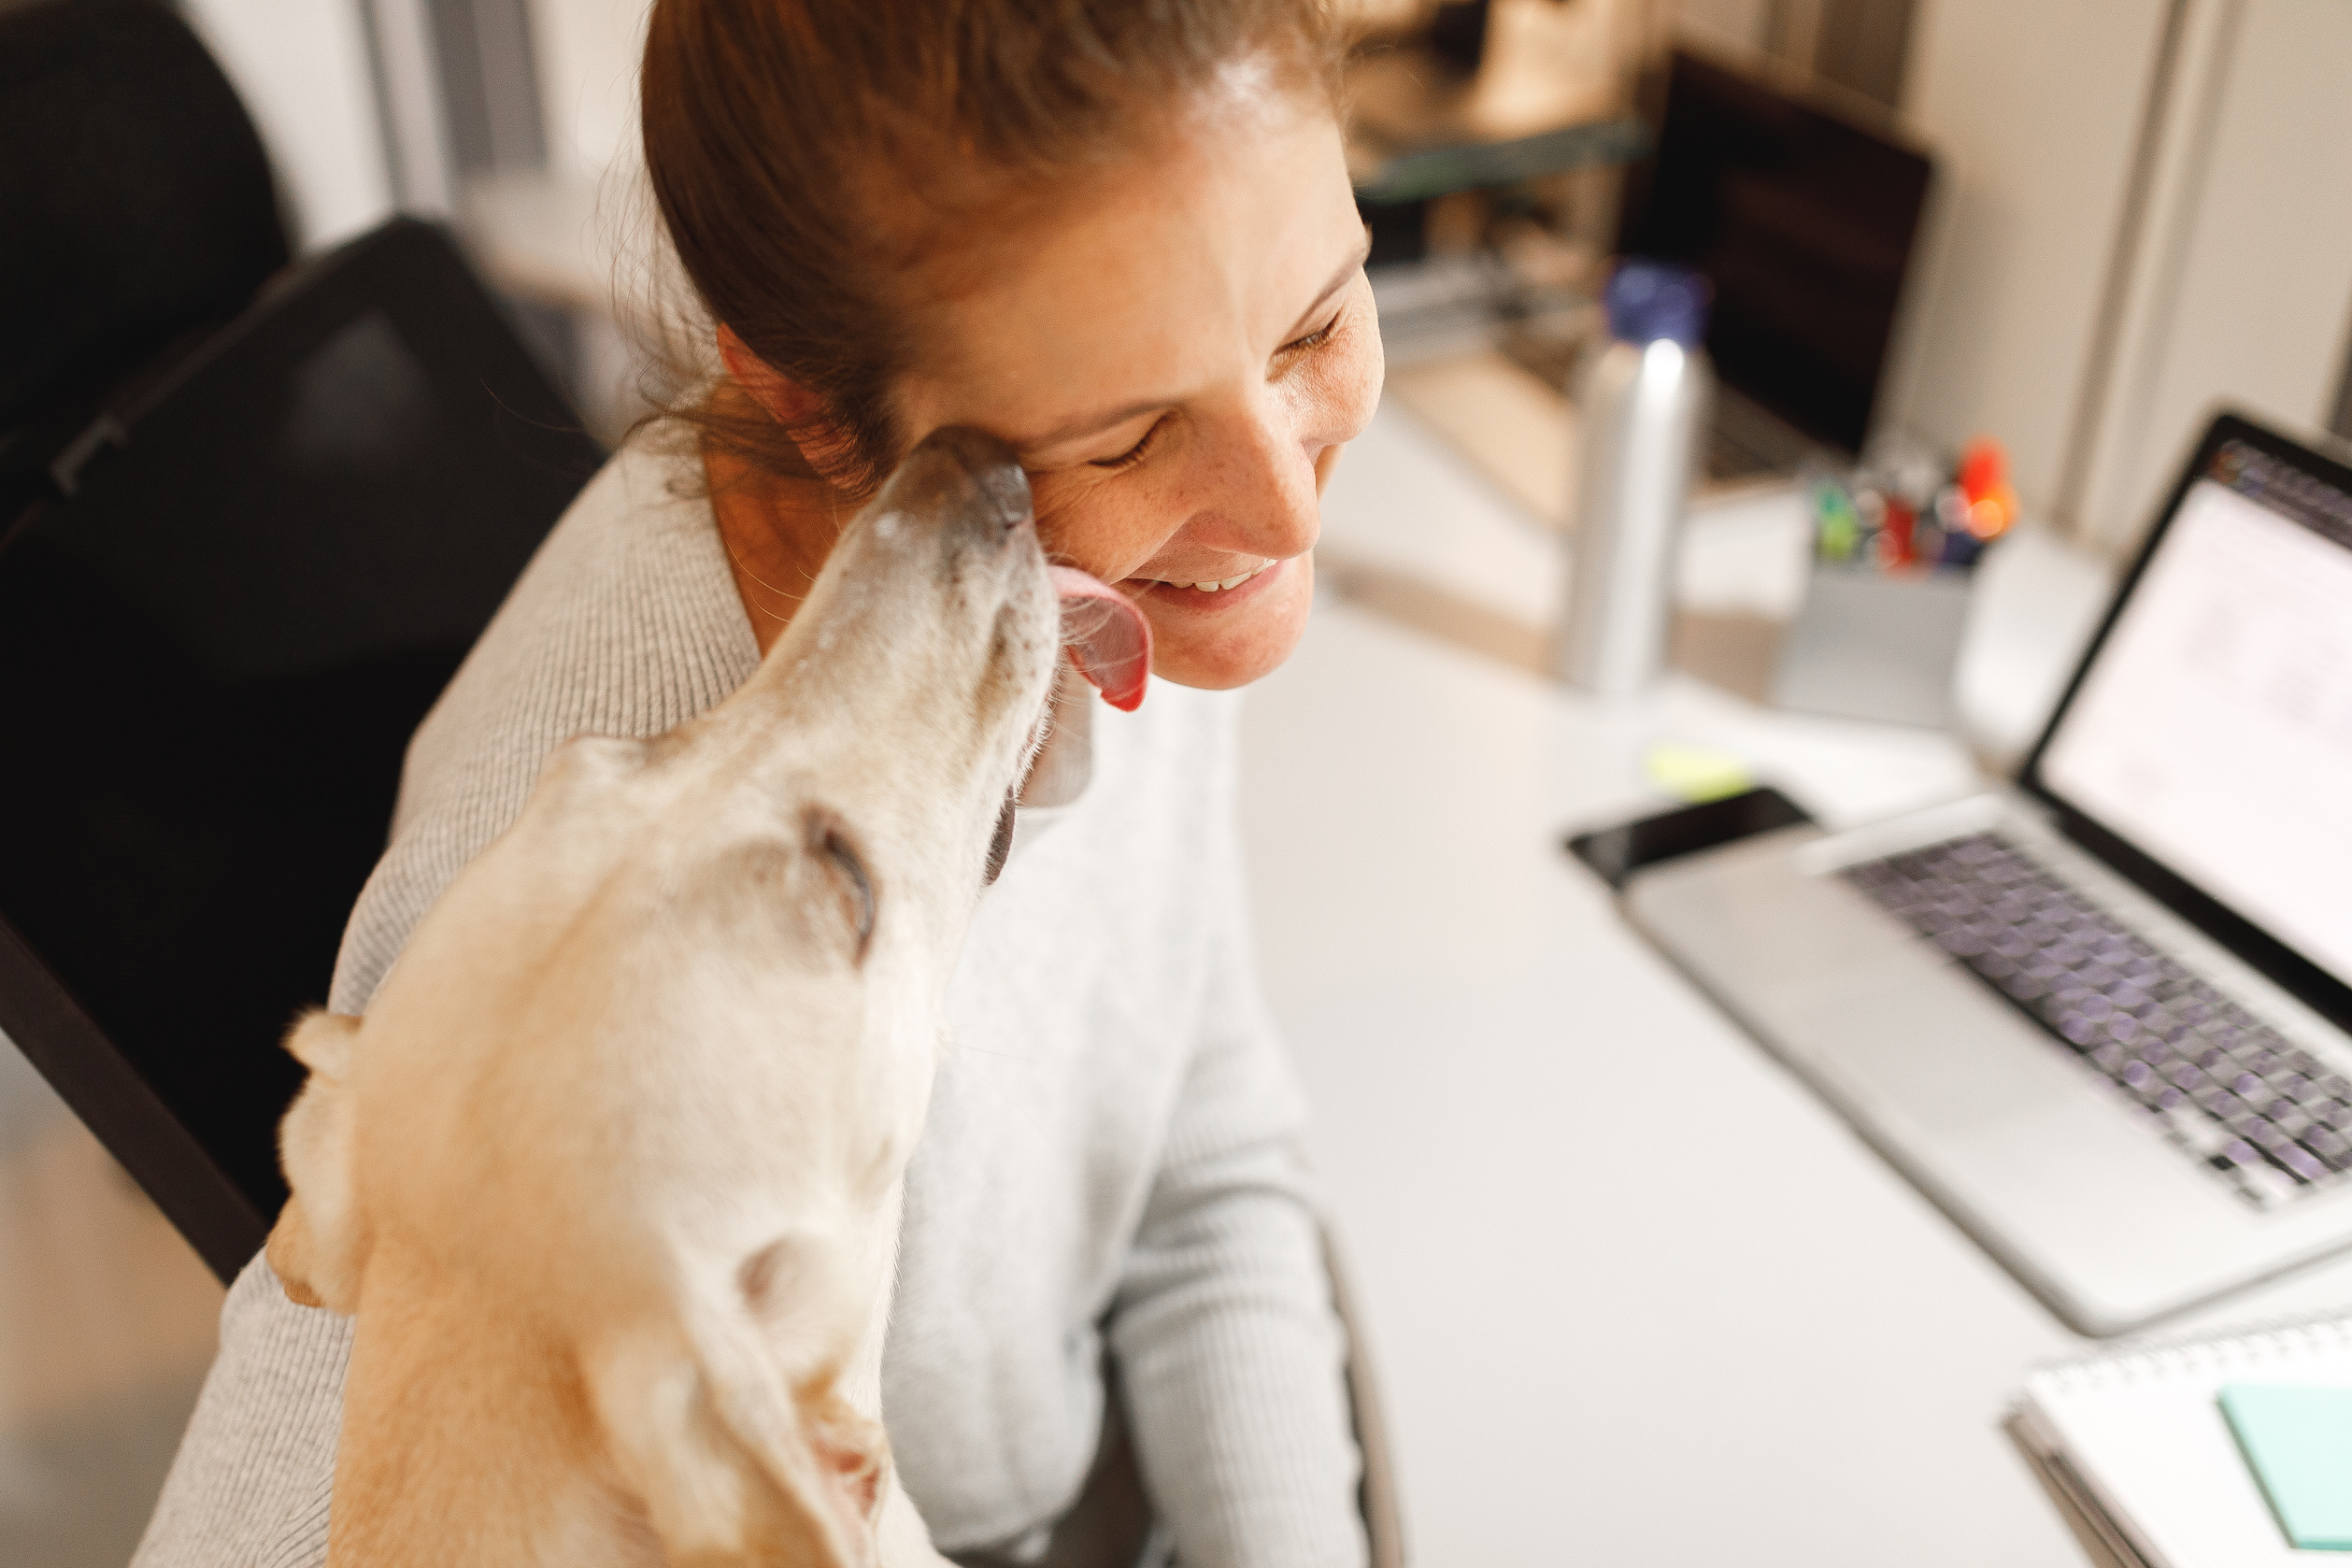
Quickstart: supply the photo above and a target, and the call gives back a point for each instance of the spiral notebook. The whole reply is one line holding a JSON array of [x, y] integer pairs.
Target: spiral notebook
[[2136, 1452]]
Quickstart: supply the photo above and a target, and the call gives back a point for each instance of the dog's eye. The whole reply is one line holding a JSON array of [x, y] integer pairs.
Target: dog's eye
[[829, 838], [757, 1277]]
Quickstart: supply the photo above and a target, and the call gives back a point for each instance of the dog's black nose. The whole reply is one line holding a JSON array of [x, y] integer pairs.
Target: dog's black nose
[[959, 473]]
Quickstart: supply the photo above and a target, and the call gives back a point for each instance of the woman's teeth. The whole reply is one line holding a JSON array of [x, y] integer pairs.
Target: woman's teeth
[[1220, 584]]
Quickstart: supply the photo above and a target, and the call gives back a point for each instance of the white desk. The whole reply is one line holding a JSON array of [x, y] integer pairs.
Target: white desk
[[1635, 1296]]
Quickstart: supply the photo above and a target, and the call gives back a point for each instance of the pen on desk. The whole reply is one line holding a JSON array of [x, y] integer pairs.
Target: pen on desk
[[1909, 517]]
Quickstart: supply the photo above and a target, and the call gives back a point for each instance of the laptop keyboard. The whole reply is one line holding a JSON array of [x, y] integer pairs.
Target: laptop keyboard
[[2261, 1112]]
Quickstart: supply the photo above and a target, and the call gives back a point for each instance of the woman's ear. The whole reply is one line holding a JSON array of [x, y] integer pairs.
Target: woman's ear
[[786, 400], [800, 410]]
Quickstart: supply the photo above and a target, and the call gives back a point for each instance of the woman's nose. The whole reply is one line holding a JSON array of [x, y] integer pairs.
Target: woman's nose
[[1269, 490]]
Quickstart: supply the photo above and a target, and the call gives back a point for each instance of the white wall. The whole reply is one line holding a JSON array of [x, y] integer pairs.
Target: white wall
[[2033, 107], [301, 67], [2236, 286], [2246, 295], [588, 53]]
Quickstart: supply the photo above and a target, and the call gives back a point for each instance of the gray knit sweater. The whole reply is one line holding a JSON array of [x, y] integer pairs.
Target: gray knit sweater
[[1111, 1156]]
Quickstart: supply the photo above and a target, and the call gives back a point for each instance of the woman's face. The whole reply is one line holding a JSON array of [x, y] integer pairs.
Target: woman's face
[[1177, 348]]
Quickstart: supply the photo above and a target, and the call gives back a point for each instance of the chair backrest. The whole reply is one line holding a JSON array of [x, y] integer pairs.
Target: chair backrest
[[217, 636], [138, 202]]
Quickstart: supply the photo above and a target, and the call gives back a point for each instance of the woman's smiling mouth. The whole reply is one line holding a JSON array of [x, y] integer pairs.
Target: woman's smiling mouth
[[1215, 586], [1211, 595]]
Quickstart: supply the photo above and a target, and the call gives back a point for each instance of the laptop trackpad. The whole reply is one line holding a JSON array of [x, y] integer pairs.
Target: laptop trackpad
[[1933, 1049]]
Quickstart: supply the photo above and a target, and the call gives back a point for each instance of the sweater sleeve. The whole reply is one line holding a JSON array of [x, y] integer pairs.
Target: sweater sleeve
[[1223, 1326], [249, 1487]]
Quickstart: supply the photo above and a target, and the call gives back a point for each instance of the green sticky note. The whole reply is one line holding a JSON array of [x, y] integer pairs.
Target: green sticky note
[[2299, 1442]]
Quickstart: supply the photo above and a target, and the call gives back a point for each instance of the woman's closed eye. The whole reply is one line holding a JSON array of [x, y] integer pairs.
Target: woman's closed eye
[[1134, 454], [1315, 339]]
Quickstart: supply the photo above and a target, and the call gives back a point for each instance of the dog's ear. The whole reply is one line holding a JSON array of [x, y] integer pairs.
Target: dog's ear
[[318, 1245], [733, 1468], [322, 1041]]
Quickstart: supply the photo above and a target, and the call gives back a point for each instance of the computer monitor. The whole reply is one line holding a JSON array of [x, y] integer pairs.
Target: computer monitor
[[1803, 216]]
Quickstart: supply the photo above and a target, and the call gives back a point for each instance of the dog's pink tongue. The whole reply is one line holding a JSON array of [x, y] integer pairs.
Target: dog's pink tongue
[[1106, 637]]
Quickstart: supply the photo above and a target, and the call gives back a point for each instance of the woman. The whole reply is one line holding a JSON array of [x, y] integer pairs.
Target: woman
[[1119, 235]]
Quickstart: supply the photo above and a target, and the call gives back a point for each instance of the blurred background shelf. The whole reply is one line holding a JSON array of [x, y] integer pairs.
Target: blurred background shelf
[[1442, 170]]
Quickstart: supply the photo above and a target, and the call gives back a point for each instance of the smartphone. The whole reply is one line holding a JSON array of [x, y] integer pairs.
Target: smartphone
[[1616, 853]]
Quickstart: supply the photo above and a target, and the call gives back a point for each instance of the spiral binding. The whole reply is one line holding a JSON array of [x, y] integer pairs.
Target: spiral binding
[[2214, 1350]]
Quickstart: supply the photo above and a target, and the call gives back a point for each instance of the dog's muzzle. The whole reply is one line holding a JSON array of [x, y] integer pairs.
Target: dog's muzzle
[[976, 481]]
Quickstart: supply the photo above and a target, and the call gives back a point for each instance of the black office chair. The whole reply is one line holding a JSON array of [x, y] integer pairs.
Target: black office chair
[[140, 213], [251, 578]]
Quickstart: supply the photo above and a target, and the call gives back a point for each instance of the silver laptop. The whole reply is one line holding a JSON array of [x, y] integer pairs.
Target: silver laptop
[[2104, 1018]]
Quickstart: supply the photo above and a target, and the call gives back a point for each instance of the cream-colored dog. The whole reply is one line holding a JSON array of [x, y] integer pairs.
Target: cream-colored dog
[[610, 1172]]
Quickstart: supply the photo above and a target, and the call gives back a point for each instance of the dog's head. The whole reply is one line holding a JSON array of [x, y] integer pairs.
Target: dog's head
[[654, 1063]]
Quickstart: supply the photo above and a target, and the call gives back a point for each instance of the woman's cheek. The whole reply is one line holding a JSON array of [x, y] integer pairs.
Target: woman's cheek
[[1362, 375], [1339, 393], [1104, 529], [1348, 400]]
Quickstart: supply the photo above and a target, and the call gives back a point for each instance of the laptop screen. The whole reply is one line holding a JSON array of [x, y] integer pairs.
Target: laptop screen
[[2213, 729]]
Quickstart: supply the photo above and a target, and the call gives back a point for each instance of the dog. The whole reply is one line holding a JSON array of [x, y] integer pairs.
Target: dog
[[610, 1172]]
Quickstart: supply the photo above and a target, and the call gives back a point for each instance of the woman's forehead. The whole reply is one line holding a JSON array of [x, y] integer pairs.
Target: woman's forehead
[[1145, 274]]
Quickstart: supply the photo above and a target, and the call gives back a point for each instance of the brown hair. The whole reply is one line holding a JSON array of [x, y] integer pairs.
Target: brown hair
[[775, 129]]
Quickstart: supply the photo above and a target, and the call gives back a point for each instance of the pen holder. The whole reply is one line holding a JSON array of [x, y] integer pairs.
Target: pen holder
[[1875, 645]]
